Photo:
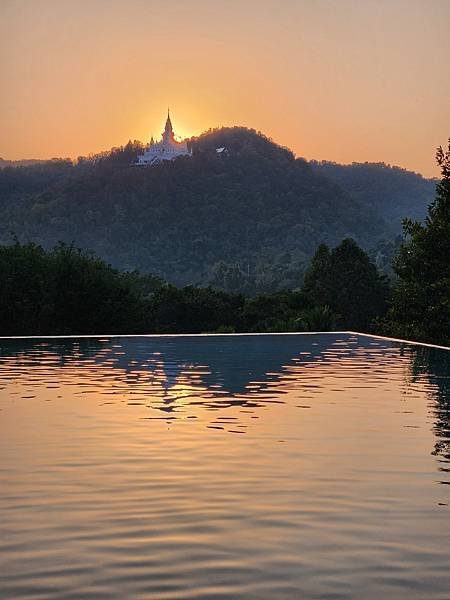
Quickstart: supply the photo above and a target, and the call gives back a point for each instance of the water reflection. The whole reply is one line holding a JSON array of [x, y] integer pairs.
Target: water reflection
[[435, 365], [175, 374], [224, 467]]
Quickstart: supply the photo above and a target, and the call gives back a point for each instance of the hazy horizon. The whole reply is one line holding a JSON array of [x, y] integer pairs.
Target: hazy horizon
[[156, 137], [341, 81]]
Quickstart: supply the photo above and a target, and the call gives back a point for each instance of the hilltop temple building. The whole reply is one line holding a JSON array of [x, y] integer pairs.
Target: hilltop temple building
[[167, 149]]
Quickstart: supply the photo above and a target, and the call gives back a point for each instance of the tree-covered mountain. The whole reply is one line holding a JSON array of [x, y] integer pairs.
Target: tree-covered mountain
[[20, 163], [393, 192], [246, 219], [65, 290]]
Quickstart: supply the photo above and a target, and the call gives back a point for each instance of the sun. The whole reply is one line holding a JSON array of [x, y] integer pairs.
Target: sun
[[181, 131], [182, 128]]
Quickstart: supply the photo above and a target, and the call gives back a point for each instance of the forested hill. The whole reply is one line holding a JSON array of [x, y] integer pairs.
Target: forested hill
[[248, 217], [20, 163], [394, 192]]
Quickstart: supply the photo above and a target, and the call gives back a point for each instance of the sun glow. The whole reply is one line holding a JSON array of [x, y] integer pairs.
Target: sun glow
[[226, 64], [181, 129]]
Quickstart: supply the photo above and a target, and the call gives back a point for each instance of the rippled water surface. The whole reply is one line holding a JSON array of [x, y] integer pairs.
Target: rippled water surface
[[248, 467]]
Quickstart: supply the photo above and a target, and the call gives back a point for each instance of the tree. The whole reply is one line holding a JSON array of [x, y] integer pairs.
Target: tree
[[179, 219], [420, 306], [67, 291], [346, 281]]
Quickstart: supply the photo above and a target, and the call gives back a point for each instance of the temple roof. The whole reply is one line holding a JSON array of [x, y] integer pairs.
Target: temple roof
[[168, 128]]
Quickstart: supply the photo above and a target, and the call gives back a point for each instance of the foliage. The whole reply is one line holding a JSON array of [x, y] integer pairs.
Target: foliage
[[392, 191], [68, 291], [238, 227], [65, 291], [383, 253], [421, 297], [246, 221], [345, 280], [434, 365]]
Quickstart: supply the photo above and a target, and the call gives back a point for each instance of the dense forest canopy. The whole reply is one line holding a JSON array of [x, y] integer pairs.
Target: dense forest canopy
[[393, 192], [69, 291], [20, 163], [246, 220], [348, 282], [420, 304]]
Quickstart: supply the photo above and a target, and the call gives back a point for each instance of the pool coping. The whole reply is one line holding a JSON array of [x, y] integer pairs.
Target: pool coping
[[175, 335]]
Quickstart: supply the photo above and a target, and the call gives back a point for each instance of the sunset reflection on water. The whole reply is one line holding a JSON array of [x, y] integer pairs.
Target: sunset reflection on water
[[231, 466]]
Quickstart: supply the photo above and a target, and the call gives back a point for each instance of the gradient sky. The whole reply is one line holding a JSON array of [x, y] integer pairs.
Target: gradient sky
[[343, 80]]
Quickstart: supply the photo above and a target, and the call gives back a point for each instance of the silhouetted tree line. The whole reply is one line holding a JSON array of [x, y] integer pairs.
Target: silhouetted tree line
[[393, 191], [434, 364], [420, 303], [345, 280], [66, 290], [247, 221]]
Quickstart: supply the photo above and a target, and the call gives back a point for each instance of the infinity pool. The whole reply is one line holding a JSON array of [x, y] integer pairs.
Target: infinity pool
[[245, 467]]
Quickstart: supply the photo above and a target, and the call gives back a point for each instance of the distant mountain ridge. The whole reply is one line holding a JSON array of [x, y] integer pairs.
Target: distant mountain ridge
[[248, 218], [395, 192], [25, 162]]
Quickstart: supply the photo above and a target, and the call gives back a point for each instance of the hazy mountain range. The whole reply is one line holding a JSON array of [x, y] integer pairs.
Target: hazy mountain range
[[25, 162], [250, 217]]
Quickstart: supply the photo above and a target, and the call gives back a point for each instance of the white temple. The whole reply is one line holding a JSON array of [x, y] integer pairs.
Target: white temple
[[167, 149]]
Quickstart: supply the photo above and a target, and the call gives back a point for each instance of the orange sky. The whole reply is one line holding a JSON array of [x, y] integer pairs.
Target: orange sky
[[343, 80]]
